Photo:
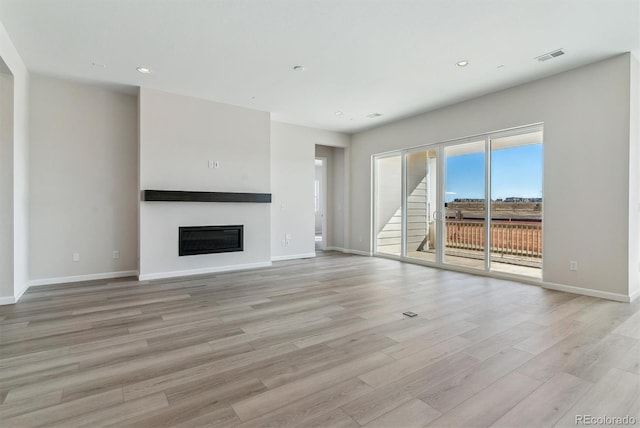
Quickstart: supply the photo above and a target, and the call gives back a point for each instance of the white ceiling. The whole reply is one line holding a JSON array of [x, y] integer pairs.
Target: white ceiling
[[395, 57]]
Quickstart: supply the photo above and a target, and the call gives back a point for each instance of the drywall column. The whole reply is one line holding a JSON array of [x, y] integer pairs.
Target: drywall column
[[634, 179], [6, 182], [180, 137], [16, 282]]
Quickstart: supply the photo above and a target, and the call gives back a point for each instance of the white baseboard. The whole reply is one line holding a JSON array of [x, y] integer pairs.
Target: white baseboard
[[358, 252], [348, 251], [634, 295], [588, 292], [79, 278], [292, 257], [21, 292], [203, 271], [8, 300]]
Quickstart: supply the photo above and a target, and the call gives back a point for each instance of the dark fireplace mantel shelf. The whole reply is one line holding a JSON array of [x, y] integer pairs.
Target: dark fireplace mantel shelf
[[186, 196]]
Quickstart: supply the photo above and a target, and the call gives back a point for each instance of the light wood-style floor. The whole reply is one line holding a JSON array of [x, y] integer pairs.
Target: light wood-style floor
[[317, 342]]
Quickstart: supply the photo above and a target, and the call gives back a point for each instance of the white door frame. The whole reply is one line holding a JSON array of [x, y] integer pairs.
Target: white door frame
[[323, 201], [441, 177]]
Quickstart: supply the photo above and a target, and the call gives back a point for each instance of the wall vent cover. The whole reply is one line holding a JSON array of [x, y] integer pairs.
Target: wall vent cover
[[550, 55]]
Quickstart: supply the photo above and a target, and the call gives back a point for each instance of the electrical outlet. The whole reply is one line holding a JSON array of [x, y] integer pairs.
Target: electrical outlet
[[573, 265], [116, 254], [75, 257]]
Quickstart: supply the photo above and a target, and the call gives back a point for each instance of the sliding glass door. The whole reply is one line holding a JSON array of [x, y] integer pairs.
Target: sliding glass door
[[421, 178], [388, 208], [464, 219], [472, 204], [516, 203]]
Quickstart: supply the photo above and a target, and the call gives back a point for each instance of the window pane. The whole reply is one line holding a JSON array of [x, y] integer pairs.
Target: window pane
[[465, 204], [516, 204], [389, 205], [421, 204]]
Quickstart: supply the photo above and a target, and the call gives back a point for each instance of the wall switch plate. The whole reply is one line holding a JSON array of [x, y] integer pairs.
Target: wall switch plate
[[216, 164], [210, 164], [573, 265], [116, 255], [75, 257]]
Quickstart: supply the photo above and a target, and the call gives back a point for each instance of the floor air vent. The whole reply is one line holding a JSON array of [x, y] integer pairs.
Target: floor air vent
[[550, 55]]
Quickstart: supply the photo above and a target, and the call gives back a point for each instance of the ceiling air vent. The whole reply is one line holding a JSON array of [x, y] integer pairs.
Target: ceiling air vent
[[550, 55], [374, 115]]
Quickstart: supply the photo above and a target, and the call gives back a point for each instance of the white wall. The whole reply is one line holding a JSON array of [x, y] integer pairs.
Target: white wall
[[83, 173], [634, 178], [178, 135], [586, 118], [6, 183], [292, 165], [19, 239]]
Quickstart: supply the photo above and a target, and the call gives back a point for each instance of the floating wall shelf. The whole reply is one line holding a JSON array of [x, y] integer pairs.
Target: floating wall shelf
[[186, 196]]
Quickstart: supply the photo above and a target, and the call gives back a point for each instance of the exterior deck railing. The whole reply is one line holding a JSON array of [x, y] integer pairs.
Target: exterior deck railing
[[512, 238]]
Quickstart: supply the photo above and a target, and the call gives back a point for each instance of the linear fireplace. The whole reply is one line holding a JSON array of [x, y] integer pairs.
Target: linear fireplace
[[210, 239]]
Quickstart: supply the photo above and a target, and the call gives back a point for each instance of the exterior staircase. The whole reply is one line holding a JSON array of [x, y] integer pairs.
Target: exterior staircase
[[389, 239]]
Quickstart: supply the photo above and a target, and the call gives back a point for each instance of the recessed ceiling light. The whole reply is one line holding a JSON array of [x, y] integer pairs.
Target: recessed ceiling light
[[338, 113], [462, 63], [144, 70], [298, 67], [500, 66]]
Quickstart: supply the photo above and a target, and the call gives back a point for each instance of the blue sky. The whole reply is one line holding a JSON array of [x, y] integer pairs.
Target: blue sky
[[515, 172]]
